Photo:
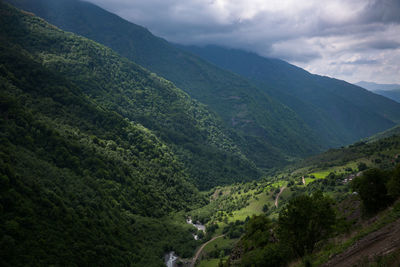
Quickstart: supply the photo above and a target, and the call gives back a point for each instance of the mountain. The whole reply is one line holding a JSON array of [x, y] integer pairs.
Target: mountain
[[391, 91], [378, 87], [270, 133], [339, 112], [80, 184], [392, 94], [385, 134], [198, 138], [83, 181]]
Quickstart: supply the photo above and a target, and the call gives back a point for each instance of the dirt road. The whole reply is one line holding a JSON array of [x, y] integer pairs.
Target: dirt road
[[201, 249], [277, 197]]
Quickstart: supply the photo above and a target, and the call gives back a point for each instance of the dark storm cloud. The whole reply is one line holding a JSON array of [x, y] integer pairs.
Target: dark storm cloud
[[385, 11], [382, 44], [310, 33]]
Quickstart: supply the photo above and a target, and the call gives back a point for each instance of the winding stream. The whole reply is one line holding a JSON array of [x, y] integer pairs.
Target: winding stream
[[199, 227], [170, 259]]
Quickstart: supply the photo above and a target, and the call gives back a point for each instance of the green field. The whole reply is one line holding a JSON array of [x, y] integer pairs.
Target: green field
[[254, 208], [210, 262], [219, 243], [320, 174]]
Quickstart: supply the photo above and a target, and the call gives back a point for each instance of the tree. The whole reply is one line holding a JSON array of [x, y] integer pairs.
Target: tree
[[305, 221], [258, 231], [372, 190], [362, 166], [200, 234], [393, 185], [265, 208]]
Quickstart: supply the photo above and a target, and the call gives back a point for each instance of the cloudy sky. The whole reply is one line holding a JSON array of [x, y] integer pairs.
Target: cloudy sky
[[348, 39]]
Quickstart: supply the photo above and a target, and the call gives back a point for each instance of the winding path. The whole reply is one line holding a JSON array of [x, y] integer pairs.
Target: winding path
[[201, 249], [277, 197]]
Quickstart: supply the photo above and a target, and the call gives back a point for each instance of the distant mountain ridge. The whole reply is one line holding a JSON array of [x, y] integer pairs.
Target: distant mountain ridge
[[391, 91], [392, 94], [336, 110], [377, 86]]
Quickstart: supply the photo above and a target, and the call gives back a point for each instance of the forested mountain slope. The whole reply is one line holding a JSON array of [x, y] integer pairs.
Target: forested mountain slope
[[270, 131], [394, 94], [195, 134], [80, 185], [391, 91], [339, 112]]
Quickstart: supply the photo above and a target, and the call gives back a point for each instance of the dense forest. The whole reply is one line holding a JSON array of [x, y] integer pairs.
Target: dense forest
[[194, 133], [270, 134], [335, 110], [80, 183], [280, 111]]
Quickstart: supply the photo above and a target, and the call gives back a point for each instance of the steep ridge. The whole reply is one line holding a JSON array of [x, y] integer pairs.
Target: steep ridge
[[79, 185], [336, 110], [270, 132], [195, 134]]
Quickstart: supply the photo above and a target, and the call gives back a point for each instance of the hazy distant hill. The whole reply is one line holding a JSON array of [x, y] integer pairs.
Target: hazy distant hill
[[391, 91], [392, 94], [376, 86], [338, 111], [270, 132]]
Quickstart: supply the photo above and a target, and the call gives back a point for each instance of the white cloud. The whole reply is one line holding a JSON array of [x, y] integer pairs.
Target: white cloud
[[348, 39]]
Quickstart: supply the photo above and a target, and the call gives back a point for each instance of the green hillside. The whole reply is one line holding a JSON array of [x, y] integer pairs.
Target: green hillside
[[392, 131], [76, 193], [195, 134], [393, 94], [249, 214], [82, 181], [270, 132], [337, 111]]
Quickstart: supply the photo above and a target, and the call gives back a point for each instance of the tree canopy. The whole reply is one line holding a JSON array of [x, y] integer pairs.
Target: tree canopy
[[305, 221]]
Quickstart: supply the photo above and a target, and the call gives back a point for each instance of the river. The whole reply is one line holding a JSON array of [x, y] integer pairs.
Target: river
[[199, 226], [170, 259]]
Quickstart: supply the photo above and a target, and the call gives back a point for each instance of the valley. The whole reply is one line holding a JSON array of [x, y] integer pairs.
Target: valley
[[332, 175], [119, 148]]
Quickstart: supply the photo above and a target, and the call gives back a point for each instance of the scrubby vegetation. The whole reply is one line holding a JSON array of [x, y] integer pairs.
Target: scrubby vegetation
[[263, 241], [377, 188], [305, 221]]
